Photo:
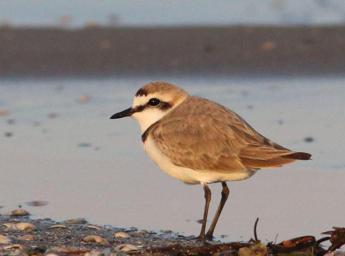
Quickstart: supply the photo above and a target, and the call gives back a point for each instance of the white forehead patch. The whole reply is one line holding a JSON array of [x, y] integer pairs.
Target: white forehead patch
[[143, 99], [140, 100]]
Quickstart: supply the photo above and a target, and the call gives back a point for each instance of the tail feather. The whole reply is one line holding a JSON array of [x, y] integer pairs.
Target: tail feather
[[254, 163], [298, 156]]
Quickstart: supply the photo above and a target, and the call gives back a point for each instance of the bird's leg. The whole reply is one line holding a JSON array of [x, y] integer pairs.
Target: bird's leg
[[225, 195], [207, 193]]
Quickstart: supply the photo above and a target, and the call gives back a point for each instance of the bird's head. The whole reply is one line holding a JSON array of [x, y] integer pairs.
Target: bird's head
[[152, 102]]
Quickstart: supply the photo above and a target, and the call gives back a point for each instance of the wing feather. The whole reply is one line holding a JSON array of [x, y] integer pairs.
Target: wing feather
[[214, 138]]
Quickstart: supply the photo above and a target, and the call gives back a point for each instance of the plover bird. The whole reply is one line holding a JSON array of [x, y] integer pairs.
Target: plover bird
[[199, 141]]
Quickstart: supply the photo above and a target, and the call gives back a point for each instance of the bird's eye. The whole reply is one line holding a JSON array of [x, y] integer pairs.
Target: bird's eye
[[154, 102]]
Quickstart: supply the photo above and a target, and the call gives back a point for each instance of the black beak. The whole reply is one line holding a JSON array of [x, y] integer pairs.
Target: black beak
[[126, 112]]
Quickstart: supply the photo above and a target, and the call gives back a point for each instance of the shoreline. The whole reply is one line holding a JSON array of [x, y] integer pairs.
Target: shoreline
[[21, 235], [105, 51]]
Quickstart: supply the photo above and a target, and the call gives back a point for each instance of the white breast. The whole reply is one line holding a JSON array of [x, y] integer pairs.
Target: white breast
[[188, 175]]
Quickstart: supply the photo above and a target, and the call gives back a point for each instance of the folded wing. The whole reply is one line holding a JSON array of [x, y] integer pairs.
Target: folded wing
[[215, 138]]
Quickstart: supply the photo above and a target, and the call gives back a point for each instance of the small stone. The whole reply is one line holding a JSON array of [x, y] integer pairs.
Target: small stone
[[127, 248], [268, 46], [94, 253], [21, 226], [141, 233], [37, 203], [4, 112], [8, 134], [14, 247], [258, 249], [26, 238], [95, 239], [19, 213], [11, 121], [68, 250], [57, 226], [309, 139], [84, 145], [121, 235], [4, 240], [93, 227], [84, 99], [76, 221], [52, 115], [280, 122]]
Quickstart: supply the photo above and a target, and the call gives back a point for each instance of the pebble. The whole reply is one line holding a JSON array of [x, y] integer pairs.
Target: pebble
[[57, 226], [21, 226], [93, 227], [127, 248], [11, 121], [4, 112], [13, 246], [4, 240], [99, 253], [19, 212], [309, 139], [95, 239], [36, 203], [26, 238], [67, 250], [121, 235], [52, 115], [84, 145], [8, 134], [139, 234], [36, 123], [84, 99], [76, 221], [254, 250], [268, 46]]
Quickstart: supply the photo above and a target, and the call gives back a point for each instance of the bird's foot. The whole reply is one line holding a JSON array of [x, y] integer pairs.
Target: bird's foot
[[204, 239], [209, 236], [201, 238]]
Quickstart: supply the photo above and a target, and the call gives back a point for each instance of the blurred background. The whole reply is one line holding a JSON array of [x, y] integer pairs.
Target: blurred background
[[67, 66], [81, 13]]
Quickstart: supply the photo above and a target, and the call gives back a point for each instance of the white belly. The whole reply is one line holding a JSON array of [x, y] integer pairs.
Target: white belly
[[188, 175]]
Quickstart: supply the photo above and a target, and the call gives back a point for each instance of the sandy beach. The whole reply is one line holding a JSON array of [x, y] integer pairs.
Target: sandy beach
[[246, 51]]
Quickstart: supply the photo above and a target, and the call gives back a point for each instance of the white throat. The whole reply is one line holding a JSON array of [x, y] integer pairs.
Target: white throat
[[148, 117]]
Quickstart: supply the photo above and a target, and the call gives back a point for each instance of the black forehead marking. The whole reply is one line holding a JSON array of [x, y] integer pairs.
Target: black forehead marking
[[141, 92]]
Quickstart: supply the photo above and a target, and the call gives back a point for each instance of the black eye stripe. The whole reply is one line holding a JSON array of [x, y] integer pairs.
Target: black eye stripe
[[154, 102], [162, 105], [165, 105]]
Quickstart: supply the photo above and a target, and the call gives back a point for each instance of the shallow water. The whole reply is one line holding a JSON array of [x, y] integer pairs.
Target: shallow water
[[85, 165]]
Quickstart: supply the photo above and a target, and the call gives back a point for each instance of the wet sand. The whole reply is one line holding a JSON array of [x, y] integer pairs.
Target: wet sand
[[58, 145], [196, 50]]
